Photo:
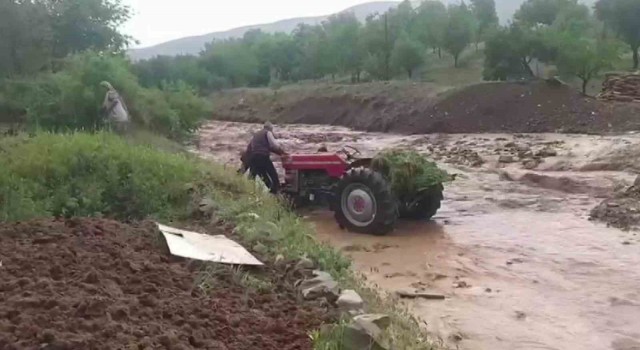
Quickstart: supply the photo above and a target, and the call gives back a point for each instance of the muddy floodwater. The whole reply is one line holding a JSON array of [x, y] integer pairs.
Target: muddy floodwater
[[512, 250]]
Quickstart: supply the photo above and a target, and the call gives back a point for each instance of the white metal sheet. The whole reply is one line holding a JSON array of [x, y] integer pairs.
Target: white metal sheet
[[193, 245]]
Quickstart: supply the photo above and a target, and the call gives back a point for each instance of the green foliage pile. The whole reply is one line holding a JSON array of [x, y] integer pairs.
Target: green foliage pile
[[70, 99], [409, 172]]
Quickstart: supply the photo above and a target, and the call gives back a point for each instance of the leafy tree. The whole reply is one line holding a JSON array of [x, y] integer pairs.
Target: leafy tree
[[486, 17], [374, 65], [345, 44], [459, 30], [34, 32], [430, 24], [25, 37], [510, 51], [315, 61], [79, 25], [284, 56], [533, 12], [232, 60], [584, 57], [378, 42], [400, 19], [407, 54], [164, 69], [624, 17], [380, 34], [576, 19]]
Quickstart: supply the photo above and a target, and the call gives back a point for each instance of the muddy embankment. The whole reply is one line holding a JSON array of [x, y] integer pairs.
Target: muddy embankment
[[533, 107], [512, 251]]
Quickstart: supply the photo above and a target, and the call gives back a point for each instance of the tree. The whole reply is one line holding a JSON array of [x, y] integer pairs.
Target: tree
[[25, 37], [576, 19], [534, 12], [345, 44], [80, 25], [34, 32], [231, 59], [378, 42], [458, 32], [584, 57], [430, 24], [624, 17], [315, 59], [486, 17], [510, 51], [407, 54]]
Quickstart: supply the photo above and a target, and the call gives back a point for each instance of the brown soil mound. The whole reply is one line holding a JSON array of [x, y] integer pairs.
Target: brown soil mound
[[522, 107], [518, 107], [99, 284], [622, 211]]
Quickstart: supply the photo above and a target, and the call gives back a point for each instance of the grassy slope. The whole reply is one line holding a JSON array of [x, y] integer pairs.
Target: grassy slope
[[82, 174]]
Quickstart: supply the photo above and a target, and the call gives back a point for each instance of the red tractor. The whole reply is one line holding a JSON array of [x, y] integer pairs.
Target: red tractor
[[361, 198]]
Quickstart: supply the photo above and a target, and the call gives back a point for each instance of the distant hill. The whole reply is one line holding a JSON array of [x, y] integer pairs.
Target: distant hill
[[193, 45]]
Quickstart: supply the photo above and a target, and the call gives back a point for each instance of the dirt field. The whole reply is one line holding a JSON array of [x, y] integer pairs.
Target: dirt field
[[512, 250], [99, 284], [418, 108]]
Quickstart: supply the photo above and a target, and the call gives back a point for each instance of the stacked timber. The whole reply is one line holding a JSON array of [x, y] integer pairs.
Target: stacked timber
[[621, 87]]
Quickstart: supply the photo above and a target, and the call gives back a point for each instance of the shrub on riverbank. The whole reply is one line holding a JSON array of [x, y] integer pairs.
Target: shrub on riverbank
[[71, 97]]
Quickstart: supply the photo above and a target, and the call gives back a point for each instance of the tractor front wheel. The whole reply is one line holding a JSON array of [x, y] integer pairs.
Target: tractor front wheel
[[364, 203]]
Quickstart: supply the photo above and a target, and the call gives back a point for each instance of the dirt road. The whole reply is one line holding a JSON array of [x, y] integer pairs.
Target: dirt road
[[512, 250]]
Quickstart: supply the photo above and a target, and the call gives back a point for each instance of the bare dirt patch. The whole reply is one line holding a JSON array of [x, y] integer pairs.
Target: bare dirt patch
[[100, 284]]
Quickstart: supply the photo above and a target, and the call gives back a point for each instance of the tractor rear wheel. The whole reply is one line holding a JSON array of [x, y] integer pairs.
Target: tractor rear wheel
[[364, 203], [427, 207]]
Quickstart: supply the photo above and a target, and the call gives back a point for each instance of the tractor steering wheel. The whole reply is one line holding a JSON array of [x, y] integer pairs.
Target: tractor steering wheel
[[350, 151]]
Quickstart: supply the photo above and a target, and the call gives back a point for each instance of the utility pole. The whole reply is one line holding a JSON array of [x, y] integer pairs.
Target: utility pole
[[387, 49]]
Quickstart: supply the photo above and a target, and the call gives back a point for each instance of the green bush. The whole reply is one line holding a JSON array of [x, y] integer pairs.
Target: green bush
[[409, 172], [70, 99], [84, 175]]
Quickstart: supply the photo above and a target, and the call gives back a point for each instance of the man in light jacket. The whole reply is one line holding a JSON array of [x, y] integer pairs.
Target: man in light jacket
[[115, 110]]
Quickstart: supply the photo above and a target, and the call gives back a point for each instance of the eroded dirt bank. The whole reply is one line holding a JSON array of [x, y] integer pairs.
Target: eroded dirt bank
[[512, 250], [418, 108]]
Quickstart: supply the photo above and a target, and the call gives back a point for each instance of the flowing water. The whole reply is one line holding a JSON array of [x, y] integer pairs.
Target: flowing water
[[512, 250]]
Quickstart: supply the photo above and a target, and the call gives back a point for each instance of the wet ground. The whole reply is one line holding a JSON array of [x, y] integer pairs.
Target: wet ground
[[512, 250]]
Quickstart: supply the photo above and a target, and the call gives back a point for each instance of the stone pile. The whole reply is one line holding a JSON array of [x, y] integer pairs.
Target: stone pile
[[621, 87]]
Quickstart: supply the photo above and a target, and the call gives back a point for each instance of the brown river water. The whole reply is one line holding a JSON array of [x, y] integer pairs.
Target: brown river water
[[512, 249]]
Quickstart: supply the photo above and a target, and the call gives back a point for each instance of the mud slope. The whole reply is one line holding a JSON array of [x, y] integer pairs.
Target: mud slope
[[417, 108], [99, 284]]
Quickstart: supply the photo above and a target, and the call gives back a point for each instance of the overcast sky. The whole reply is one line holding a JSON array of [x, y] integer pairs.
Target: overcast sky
[[156, 21]]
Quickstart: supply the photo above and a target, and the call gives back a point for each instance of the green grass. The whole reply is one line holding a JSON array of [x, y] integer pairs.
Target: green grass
[[104, 175]]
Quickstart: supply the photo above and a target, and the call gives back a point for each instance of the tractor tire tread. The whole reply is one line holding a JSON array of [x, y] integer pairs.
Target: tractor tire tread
[[387, 206]]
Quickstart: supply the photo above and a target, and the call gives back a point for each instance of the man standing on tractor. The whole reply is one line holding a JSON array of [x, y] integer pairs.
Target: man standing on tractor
[[258, 156]]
